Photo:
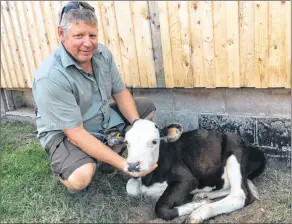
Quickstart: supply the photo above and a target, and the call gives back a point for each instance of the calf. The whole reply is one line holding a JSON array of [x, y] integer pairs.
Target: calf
[[206, 163]]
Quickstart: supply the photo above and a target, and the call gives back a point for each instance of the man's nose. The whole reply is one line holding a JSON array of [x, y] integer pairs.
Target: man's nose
[[87, 41]]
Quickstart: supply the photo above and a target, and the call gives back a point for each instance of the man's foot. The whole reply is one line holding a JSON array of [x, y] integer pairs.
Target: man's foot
[[70, 191]]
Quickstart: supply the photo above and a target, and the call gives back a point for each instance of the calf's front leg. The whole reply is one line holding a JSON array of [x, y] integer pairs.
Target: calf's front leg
[[169, 204]]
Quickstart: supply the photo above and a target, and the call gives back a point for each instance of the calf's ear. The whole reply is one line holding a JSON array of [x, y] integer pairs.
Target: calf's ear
[[174, 131]]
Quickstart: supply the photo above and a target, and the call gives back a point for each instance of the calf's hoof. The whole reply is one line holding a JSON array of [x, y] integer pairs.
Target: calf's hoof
[[200, 196]]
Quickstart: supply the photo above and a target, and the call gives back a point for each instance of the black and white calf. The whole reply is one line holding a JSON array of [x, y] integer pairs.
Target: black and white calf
[[205, 163]]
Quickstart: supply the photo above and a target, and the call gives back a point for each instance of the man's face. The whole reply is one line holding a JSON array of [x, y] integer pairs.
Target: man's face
[[80, 40]]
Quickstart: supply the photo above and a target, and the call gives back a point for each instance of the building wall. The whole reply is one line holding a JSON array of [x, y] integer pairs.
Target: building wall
[[261, 116]]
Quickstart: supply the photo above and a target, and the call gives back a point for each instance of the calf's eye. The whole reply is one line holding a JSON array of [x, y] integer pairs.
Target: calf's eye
[[154, 142]]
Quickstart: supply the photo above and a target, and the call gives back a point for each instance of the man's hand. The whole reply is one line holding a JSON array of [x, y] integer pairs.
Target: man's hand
[[142, 173]]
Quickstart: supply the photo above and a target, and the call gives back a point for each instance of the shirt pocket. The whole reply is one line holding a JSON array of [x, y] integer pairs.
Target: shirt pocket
[[107, 84]]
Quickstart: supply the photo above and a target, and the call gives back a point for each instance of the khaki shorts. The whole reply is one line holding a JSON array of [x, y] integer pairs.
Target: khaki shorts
[[66, 158]]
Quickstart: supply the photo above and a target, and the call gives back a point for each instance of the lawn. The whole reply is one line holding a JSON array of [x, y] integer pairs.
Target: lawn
[[31, 193]]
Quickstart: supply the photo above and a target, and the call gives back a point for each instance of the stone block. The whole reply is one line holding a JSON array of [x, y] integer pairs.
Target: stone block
[[243, 126], [199, 100], [188, 120], [274, 133]]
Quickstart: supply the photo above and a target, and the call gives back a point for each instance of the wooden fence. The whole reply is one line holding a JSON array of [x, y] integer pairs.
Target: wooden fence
[[162, 44]]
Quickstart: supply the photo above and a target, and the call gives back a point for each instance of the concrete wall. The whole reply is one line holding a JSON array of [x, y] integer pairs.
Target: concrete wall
[[261, 116]]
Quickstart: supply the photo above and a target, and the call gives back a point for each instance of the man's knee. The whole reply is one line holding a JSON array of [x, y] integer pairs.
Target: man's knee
[[150, 116], [145, 107], [81, 177]]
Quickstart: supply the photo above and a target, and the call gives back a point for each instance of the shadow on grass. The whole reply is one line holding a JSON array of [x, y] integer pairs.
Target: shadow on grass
[[31, 193]]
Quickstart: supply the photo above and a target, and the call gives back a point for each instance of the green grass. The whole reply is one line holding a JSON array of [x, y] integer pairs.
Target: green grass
[[30, 193]]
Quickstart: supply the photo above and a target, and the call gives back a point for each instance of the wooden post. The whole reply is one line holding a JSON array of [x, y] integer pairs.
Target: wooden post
[[156, 43]]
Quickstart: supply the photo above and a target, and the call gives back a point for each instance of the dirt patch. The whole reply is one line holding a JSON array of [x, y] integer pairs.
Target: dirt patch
[[274, 206]]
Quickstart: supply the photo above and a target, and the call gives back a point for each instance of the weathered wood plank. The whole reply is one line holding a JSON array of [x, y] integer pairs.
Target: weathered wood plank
[[184, 15], [232, 28], [41, 29], [4, 65], [27, 48], [176, 43], [197, 53], [127, 43], [142, 34], [98, 13], [11, 51], [208, 44], [32, 31], [261, 44], [277, 59], [220, 38], [111, 33], [156, 43], [247, 44], [3, 76], [288, 44], [25, 72], [50, 26], [166, 44]]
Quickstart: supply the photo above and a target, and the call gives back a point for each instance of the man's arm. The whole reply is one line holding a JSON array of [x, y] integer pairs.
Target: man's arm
[[126, 105], [96, 149]]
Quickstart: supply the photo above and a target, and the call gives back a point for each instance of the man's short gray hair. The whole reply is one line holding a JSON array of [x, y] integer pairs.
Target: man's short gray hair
[[80, 14]]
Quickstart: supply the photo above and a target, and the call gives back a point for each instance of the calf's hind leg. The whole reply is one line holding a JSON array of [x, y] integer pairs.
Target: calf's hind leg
[[234, 201]]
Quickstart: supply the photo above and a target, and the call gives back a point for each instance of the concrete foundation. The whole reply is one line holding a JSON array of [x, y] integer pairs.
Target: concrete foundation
[[261, 116]]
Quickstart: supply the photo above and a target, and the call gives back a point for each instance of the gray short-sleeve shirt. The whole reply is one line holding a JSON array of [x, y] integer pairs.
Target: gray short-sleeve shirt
[[66, 96]]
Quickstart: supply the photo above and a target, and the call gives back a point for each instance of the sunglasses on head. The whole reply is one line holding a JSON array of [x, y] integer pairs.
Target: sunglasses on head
[[75, 5]]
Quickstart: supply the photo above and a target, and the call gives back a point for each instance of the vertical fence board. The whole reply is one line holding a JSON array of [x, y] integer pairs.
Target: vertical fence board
[[247, 43], [51, 28], [288, 44], [3, 78], [127, 43], [25, 70], [111, 30], [56, 7], [277, 50], [176, 42], [101, 34], [156, 42], [197, 54], [4, 65], [208, 44], [143, 42], [166, 44], [41, 29], [32, 31], [233, 43], [11, 50], [27, 48], [261, 44], [220, 38], [184, 15]]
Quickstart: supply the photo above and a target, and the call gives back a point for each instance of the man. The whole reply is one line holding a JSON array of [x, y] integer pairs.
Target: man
[[72, 90]]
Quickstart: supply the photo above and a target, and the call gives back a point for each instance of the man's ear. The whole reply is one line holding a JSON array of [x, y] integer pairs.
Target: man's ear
[[174, 131], [61, 34]]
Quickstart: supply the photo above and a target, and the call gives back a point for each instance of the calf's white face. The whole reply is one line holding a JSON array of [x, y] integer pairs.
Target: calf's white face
[[143, 144]]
